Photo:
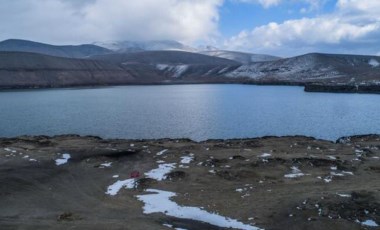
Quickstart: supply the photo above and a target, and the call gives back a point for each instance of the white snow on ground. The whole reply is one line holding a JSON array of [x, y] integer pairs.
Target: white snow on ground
[[373, 63], [162, 66], [113, 189], [63, 160], [106, 165], [295, 173], [328, 179], [159, 202], [187, 159], [265, 155], [370, 223], [10, 150], [336, 174], [159, 173], [179, 70], [161, 152], [348, 173], [176, 70], [343, 195]]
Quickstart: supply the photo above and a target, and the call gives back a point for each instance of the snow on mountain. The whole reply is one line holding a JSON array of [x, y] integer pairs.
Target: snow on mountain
[[244, 58], [373, 63], [311, 67], [154, 45]]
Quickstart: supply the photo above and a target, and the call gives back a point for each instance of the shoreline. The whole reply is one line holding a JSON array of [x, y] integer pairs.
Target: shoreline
[[308, 87], [164, 139]]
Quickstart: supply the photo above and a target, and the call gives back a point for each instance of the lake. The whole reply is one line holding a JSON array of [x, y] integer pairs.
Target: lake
[[198, 112]]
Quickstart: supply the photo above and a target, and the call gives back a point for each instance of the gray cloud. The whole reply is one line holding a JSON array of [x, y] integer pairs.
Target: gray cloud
[[78, 21]]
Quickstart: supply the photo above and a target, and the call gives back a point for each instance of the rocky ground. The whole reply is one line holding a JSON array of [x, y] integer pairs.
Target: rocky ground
[[72, 182]]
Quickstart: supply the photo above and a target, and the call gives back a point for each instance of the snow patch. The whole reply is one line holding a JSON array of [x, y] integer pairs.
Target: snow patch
[[63, 160], [187, 159], [343, 195], [373, 63], [159, 202], [106, 165], [159, 173], [295, 173], [10, 150], [370, 223], [265, 155], [161, 152], [113, 189]]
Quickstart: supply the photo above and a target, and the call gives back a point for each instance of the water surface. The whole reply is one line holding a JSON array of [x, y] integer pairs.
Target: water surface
[[198, 112]]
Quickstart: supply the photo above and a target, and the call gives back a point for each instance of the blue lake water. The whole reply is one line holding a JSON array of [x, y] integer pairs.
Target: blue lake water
[[198, 112]]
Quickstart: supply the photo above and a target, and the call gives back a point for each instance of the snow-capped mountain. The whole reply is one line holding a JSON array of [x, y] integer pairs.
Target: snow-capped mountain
[[314, 67], [133, 46]]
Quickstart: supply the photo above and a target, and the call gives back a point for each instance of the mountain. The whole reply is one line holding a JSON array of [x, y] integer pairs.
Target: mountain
[[164, 57], [79, 51], [337, 72], [314, 67], [154, 45], [28, 70], [244, 58], [173, 63]]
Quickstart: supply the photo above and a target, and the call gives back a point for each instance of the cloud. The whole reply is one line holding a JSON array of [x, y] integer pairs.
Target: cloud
[[264, 3], [312, 4], [77, 21], [354, 27]]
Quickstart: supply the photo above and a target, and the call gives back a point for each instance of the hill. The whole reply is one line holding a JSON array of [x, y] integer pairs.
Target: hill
[[28, 70], [79, 51]]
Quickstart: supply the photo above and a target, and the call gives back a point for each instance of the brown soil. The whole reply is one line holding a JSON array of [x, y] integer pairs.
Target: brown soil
[[229, 177]]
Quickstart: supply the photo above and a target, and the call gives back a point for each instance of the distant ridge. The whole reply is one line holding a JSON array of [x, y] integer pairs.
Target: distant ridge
[[244, 58], [71, 51], [153, 45]]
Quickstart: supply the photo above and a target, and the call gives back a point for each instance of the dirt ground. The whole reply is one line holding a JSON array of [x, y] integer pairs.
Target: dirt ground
[[270, 183]]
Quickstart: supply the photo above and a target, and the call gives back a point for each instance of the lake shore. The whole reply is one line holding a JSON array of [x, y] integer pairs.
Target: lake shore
[[309, 87], [263, 183]]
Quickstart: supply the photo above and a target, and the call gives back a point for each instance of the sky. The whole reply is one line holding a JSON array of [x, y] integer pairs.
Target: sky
[[278, 27]]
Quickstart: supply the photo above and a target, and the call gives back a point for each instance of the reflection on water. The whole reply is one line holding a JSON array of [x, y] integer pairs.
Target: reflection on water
[[198, 112]]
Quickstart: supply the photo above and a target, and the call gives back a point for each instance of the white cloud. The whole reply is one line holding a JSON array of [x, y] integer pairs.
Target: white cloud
[[312, 4], [354, 27], [264, 3], [68, 21]]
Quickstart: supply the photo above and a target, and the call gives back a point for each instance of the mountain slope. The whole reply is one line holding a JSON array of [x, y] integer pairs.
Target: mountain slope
[[26, 70], [314, 67], [164, 57], [174, 64], [80, 51], [244, 58]]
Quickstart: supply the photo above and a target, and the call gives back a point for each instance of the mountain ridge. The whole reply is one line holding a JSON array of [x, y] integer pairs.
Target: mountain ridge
[[71, 51], [28, 69]]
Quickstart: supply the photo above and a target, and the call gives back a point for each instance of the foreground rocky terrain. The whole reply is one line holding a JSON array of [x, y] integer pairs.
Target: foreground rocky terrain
[[73, 182]]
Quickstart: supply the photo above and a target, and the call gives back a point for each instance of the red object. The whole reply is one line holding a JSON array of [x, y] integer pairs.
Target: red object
[[135, 174]]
